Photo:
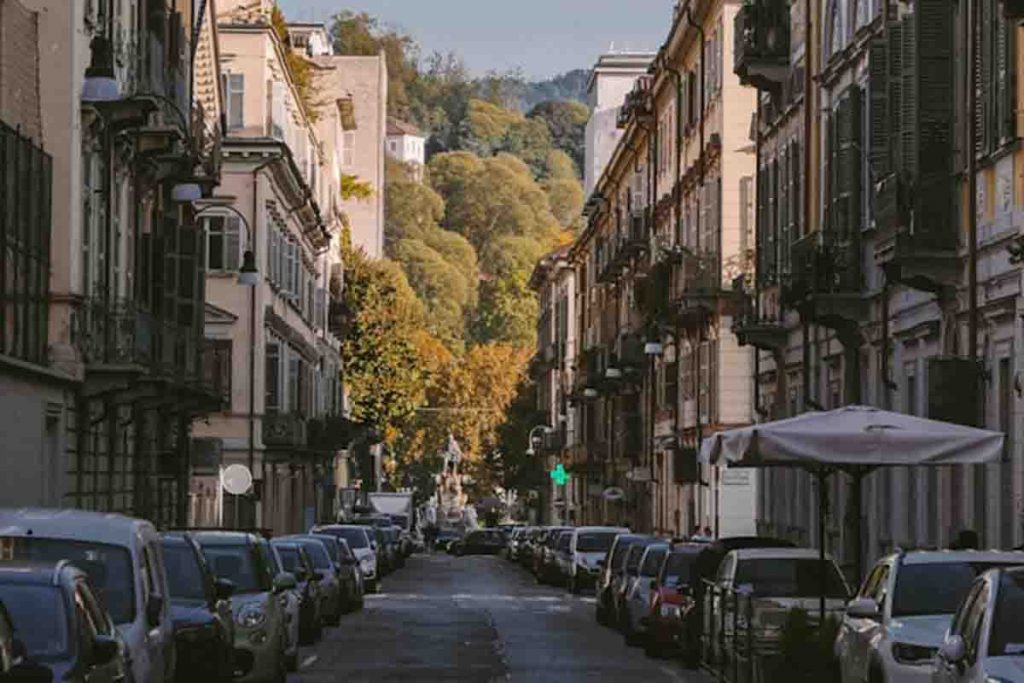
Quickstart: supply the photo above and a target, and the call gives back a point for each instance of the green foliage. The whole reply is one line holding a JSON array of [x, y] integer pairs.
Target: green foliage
[[358, 33], [566, 122], [300, 70], [354, 188], [508, 312], [381, 363]]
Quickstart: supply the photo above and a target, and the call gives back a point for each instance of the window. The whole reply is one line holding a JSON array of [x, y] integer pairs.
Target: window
[[223, 243], [217, 358], [234, 100], [348, 152], [273, 376]]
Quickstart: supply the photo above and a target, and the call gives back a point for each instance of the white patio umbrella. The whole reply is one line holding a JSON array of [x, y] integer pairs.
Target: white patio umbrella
[[852, 439]]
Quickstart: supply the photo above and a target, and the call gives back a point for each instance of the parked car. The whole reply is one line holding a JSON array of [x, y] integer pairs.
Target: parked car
[[515, 541], [306, 623], [544, 560], [668, 630], [123, 559], [480, 542], [626, 578], [360, 543], [611, 570], [353, 587], [777, 580], [893, 628], [331, 605], [587, 549], [528, 546], [291, 607], [261, 637], [204, 628], [985, 639], [638, 597], [393, 537], [561, 559], [446, 536], [61, 630]]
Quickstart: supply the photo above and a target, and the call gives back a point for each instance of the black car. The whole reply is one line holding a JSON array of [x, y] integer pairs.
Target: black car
[[62, 630], [296, 561], [204, 630], [351, 577], [481, 542]]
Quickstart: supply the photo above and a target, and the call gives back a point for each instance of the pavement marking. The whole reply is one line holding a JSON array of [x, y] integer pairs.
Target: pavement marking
[[309, 661]]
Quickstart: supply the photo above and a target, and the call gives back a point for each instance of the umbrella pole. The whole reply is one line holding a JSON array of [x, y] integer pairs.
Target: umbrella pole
[[822, 506]]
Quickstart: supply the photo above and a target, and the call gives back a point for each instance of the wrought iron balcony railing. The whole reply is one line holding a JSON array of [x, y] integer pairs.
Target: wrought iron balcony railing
[[761, 43]]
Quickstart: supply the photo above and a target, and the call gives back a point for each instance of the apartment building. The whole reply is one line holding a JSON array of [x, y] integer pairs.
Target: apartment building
[[552, 368], [886, 224], [406, 144], [668, 241], [273, 230], [101, 371]]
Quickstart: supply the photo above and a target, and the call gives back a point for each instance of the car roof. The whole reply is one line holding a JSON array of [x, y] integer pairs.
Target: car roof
[[687, 548], [602, 529], [34, 572], [224, 537], [74, 525], [326, 527], [944, 556], [778, 553]]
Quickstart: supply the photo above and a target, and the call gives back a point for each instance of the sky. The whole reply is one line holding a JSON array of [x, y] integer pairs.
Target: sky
[[542, 37]]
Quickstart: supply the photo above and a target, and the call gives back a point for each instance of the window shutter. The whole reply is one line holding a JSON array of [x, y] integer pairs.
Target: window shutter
[[236, 100], [798, 205], [232, 243], [895, 88], [878, 116], [783, 204], [909, 129], [847, 196], [828, 173]]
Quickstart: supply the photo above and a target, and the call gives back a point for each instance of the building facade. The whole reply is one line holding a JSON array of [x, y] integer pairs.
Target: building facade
[[273, 232], [887, 223], [103, 287], [406, 144]]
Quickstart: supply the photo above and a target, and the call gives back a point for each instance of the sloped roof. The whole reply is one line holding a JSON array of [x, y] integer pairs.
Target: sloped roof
[[396, 127]]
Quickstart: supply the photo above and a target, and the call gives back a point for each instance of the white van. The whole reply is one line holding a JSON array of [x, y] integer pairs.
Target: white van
[[124, 561]]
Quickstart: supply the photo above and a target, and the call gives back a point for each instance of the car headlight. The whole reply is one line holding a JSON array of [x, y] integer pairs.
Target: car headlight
[[907, 653], [250, 616], [669, 611]]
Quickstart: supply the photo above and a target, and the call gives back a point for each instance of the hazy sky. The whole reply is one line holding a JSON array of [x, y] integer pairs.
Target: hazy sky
[[543, 37]]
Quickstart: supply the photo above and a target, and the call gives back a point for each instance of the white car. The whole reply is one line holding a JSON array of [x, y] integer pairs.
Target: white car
[[894, 626], [638, 595], [587, 548], [985, 640], [123, 557], [360, 541]]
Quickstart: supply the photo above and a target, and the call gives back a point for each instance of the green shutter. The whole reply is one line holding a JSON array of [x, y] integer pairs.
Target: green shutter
[[878, 115], [894, 49], [909, 99], [846, 203]]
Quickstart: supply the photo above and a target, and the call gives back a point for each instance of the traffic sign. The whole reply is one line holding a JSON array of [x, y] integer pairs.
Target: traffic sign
[[236, 479]]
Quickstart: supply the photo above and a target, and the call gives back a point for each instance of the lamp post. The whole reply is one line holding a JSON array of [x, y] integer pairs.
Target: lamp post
[[652, 349]]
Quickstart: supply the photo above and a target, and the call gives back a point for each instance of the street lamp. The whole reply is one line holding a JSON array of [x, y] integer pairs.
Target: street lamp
[[545, 429], [100, 83]]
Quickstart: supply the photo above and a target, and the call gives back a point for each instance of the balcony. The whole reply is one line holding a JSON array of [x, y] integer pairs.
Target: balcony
[[588, 370], [755, 328], [761, 43], [826, 283], [639, 103], [654, 296], [699, 291], [635, 239], [284, 430]]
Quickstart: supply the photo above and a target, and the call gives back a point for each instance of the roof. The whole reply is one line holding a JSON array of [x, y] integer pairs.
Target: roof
[[602, 529], [399, 127], [80, 525], [223, 537], [943, 556], [778, 554], [34, 571]]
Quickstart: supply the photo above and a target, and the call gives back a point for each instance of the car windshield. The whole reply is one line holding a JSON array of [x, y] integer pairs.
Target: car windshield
[[289, 555], [40, 618], [1007, 635], [678, 569], [652, 561], [109, 568], [595, 541], [184, 575], [789, 577], [332, 548], [318, 555], [241, 564], [344, 551], [935, 588]]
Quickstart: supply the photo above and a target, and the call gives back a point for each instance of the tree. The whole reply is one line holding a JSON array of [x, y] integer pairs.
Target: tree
[[358, 33], [446, 292], [380, 359], [300, 70], [566, 121], [530, 141]]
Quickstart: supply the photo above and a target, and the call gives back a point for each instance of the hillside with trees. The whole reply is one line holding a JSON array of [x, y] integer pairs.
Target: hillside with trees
[[442, 330]]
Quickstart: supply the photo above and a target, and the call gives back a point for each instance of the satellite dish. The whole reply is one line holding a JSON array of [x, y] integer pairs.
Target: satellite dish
[[613, 493], [236, 479]]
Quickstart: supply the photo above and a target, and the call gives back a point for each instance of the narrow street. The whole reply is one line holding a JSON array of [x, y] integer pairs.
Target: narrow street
[[478, 619]]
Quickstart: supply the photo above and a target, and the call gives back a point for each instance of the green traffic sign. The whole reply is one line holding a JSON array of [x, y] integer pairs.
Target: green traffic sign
[[559, 475]]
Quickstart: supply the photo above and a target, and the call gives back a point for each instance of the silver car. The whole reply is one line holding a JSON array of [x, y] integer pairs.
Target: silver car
[[360, 542]]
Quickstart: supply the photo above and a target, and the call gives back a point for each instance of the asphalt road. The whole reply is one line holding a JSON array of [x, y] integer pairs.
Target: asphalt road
[[477, 619]]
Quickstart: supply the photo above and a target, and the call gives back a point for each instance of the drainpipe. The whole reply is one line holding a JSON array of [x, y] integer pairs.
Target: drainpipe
[[700, 165]]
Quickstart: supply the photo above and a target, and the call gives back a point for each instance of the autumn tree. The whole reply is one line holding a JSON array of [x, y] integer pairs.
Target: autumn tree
[[566, 121]]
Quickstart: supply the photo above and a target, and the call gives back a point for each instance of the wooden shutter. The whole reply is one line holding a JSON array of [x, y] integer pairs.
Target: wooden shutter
[[798, 206], [878, 115], [846, 209], [908, 99], [828, 173], [893, 92], [232, 243]]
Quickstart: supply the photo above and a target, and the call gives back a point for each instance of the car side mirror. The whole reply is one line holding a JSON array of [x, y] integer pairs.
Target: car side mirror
[[154, 610], [104, 649], [862, 608], [285, 581], [953, 649], [223, 589]]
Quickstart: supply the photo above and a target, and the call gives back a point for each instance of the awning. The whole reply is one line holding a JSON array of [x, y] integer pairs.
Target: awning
[[850, 438]]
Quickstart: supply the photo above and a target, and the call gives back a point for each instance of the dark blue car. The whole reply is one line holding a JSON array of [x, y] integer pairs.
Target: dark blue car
[[62, 631]]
